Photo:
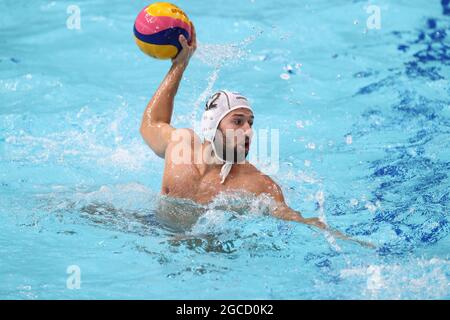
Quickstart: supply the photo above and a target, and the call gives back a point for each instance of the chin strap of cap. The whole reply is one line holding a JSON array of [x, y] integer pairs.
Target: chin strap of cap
[[226, 168]]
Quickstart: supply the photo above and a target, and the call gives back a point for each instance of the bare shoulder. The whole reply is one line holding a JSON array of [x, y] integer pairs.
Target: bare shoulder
[[266, 184], [183, 138], [182, 146], [184, 135]]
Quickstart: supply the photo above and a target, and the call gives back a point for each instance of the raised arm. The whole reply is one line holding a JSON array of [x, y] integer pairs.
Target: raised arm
[[155, 127]]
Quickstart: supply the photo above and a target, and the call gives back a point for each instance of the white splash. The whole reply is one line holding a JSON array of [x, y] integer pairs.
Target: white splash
[[216, 56], [426, 279], [348, 139]]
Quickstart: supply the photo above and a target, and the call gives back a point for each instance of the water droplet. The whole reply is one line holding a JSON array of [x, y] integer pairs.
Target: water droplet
[[371, 207], [348, 139]]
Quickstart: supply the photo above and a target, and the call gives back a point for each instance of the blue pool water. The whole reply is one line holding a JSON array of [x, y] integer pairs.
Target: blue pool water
[[364, 121]]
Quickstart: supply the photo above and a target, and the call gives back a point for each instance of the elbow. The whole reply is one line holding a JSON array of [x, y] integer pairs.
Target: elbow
[[145, 128], [142, 130]]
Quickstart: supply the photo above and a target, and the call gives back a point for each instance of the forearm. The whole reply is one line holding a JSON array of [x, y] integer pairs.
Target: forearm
[[160, 107], [286, 213], [282, 211], [155, 126]]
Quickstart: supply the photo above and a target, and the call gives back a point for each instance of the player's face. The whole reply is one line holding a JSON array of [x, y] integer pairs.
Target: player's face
[[235, 133]]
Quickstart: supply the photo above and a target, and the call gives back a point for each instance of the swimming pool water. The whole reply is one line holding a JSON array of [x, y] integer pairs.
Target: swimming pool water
[[364, 121]]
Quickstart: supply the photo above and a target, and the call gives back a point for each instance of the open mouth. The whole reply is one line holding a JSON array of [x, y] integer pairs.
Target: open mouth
[[247, 144]]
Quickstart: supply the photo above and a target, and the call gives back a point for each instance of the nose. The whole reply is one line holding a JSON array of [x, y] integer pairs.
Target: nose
[[247, 128]]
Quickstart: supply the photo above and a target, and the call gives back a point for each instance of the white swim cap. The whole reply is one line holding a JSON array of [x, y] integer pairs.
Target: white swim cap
[[218, 106]]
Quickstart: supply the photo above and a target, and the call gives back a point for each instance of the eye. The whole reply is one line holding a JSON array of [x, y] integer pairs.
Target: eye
[[237, 121], [250, 123]]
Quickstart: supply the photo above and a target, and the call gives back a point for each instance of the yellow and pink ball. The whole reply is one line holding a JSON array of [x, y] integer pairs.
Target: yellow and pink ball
[[157, 29]]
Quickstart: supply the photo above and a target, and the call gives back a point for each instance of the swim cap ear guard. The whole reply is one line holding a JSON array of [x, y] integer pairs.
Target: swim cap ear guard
[[217, 107]]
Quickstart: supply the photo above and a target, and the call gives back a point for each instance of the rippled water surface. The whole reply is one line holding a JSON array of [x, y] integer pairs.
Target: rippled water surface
[[364, 122]]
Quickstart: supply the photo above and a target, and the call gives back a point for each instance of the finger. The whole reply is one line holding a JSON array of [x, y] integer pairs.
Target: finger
[[183, 41], [194, 36], [367, 244], [194, 32]]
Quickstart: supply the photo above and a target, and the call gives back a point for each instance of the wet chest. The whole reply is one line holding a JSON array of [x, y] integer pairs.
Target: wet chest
[[189, 183]]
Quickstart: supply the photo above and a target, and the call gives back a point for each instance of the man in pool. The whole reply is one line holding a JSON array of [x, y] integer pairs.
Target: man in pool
[[198, 170]]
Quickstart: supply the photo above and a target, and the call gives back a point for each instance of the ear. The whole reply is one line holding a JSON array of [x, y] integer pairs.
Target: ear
[[220, 126], [219, 134]]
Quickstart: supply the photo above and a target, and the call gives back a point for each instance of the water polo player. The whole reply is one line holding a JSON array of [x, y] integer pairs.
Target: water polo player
[[199, 169]]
